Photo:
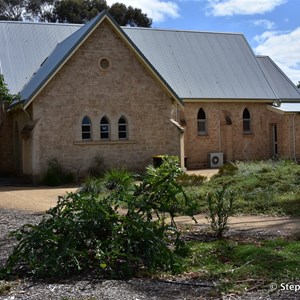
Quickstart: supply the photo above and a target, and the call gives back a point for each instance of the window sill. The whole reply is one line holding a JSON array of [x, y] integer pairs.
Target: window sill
[[202, 134], [248, 133], [116, 142]]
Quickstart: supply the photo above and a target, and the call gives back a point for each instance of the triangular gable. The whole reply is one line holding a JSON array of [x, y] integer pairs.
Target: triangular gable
[[67, 48]]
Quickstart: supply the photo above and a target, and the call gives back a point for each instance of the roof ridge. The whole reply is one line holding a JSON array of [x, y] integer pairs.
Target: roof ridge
[[180, 30]]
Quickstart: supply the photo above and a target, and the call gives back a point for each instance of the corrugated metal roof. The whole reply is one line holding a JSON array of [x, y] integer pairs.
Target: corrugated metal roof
[[202, 64], [59, 54], [196, 65], [24, 46], [281, 84], [287, 108]]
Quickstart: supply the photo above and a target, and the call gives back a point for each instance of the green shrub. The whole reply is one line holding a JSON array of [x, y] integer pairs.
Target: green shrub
[[228, 169], [117, 179], [262, 187], [57, 174], [160, 191], [85, 232], [190, 180], [220, 207], [92, 185]]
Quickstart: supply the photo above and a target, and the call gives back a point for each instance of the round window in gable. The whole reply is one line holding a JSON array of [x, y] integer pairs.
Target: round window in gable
[[104, 63]]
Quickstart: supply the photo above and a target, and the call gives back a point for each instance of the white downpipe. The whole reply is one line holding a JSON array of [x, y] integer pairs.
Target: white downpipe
[[182, 154]]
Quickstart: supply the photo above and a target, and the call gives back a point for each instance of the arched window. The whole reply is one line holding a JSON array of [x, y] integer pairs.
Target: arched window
[[246, 121], [104, 129], [86, 126], [201, 118], [123, 128]]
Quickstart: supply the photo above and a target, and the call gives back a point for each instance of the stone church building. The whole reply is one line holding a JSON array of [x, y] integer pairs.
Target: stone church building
[[128, 94]]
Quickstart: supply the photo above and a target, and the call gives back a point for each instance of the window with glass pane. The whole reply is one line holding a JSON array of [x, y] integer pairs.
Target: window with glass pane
[[104, 129], [201, 122], [122, 129], [86, 128], [246, 121]]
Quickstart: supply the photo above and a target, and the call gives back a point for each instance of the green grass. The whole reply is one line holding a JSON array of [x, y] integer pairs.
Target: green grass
[[237, 266], [262, 187]]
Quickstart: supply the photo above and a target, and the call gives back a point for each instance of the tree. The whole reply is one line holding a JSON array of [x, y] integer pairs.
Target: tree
[[81, 11], [298, 85], [5, 96], [41, 10], [129, 16], [12, 10], [77, 11]]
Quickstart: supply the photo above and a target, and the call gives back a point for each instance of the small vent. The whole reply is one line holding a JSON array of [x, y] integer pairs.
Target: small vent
[[104, 63]]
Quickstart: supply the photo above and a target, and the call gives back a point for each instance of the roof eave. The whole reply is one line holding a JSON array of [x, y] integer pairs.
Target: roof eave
[[239, 100]]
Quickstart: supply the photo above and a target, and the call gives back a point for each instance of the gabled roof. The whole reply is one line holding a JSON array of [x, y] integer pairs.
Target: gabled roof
[[25, 45], [66, 48], [283, 87], [191, 65], [204, 65], [55, 60]]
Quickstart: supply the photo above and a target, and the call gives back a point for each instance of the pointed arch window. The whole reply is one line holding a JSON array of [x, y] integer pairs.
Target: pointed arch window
[[246, 121], [104, 129], [86, 126], [202, 122], [123, 128]]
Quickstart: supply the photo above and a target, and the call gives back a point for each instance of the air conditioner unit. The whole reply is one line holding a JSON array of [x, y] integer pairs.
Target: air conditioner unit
[[215, 159]]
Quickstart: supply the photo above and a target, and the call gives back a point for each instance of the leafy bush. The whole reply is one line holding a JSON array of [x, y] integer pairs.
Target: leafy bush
[[92, 185], [220, 207], [117, 179], [57, 174], [190, 179], [160, 191], [261, 187], [228, 169], [85, 232]]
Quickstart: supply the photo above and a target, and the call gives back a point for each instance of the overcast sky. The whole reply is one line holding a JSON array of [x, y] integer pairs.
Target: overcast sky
[[272, 27]]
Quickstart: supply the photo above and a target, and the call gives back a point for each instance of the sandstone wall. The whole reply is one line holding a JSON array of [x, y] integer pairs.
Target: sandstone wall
[[230, 138], [82, 88]]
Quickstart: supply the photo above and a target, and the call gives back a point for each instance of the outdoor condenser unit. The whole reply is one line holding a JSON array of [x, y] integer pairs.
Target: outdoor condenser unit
[[215, 159]]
